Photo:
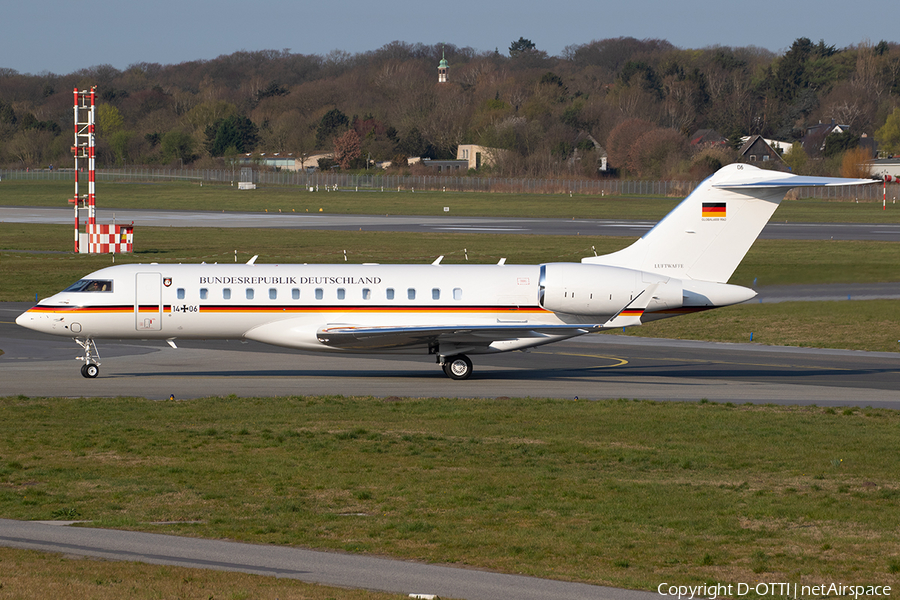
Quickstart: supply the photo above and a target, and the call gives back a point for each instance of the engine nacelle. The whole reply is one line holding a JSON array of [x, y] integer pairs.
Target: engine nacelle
[[599, 290]]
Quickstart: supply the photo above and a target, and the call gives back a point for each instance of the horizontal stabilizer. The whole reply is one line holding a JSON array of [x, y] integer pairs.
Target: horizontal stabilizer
[[786, 180]]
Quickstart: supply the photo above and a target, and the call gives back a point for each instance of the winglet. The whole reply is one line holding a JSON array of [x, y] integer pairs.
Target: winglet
[[633, 311]]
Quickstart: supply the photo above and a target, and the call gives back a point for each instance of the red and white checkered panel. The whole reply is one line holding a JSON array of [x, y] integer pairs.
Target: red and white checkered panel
[[106, 239]]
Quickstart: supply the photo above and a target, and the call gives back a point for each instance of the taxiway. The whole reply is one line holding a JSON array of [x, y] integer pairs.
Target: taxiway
[[888, 232]]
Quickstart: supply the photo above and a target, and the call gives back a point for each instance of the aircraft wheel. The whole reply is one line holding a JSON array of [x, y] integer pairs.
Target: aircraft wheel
[[458, 367], [90, 370]]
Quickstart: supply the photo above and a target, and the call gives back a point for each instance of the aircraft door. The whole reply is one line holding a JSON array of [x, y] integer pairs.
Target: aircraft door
[[148, 302]]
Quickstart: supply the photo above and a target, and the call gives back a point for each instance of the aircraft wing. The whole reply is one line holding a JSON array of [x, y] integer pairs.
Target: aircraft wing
[[632, 313], [351, 337]]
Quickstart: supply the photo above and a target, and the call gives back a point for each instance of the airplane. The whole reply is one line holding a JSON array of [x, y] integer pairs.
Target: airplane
[[680, 266]]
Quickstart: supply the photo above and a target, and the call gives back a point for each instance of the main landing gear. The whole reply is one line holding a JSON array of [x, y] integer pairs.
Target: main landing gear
[[91, 367], [457, 366]]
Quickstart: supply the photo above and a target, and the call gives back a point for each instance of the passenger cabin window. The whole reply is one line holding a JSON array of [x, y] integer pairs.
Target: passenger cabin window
[[90, 285], [226, 293], [295, 294], [435, 293], [367, 294], [457, 293], [249, 293], [389, 293], [180, 293], [341, 293], [273, 293], [411, 293], [204, 293], [319, 294]]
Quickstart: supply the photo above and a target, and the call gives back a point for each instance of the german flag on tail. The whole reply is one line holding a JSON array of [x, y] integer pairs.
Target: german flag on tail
[[713, 209]]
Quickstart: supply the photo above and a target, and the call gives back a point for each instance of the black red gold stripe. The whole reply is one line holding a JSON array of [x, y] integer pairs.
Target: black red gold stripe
[[713, 209], [281, 309]]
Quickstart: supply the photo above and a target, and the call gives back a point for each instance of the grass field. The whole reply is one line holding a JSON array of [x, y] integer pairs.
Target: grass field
[[614, 492], [29, 575], [191, 196]]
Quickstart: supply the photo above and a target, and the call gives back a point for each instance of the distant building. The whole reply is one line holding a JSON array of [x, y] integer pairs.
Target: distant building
[[601, 151], [826, 129], [868, 144], [446, 166], [443, 67], [284, 161], [757, 150], [477, 156], [708, 138], [780, 147], [885, 166], [814, 140]]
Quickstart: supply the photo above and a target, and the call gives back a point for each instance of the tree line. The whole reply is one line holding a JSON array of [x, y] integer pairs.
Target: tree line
[[637, 101]]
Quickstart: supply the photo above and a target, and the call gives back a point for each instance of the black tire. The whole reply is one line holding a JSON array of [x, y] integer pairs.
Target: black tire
[[458, 367], [90, 370]]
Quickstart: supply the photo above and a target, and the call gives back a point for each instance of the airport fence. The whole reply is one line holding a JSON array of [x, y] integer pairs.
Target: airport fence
[[321, 181]]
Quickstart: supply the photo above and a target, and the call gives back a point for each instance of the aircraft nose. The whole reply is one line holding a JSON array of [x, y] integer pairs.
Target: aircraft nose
[[27, 319]]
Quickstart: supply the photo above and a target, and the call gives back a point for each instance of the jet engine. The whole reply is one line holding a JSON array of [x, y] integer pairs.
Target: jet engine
[[599, 290]]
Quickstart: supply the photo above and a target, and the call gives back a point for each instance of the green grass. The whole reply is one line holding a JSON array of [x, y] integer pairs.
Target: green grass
[[191, 196], [31, 575], [614, 492]]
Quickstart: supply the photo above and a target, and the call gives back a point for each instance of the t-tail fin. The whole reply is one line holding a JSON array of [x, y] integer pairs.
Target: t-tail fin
[[707, 235]]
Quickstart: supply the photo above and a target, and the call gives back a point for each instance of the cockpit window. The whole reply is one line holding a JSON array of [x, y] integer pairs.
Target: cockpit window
[[91, 285]]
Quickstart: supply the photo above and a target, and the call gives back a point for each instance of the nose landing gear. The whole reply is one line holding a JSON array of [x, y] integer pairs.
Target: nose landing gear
[[91, 367], [90, 371]]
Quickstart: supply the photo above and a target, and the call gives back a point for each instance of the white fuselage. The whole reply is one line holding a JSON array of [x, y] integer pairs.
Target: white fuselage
[[308, 306], [287, 304]]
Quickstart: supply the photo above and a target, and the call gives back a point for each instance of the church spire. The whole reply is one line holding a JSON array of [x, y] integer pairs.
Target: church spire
[[443, 67]]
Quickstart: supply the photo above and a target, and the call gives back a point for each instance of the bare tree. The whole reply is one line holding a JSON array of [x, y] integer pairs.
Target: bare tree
[[855, 164], [346, 148], [621, 139], [657, 152]]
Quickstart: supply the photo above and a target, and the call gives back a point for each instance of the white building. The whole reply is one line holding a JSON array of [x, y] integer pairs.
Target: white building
[[476, 155]]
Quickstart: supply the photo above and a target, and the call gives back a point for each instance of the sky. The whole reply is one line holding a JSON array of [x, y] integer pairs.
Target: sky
[[64, 37]]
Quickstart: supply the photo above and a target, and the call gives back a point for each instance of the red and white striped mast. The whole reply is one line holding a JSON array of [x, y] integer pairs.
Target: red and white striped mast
[[84, 149]]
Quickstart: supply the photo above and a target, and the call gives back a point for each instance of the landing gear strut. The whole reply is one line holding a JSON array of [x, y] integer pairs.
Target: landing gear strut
[[91, 367], [457, 366]]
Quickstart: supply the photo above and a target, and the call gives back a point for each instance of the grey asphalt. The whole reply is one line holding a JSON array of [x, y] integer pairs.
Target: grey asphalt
[[327, 568], [445, 223], [826, 292], [589, 367]]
